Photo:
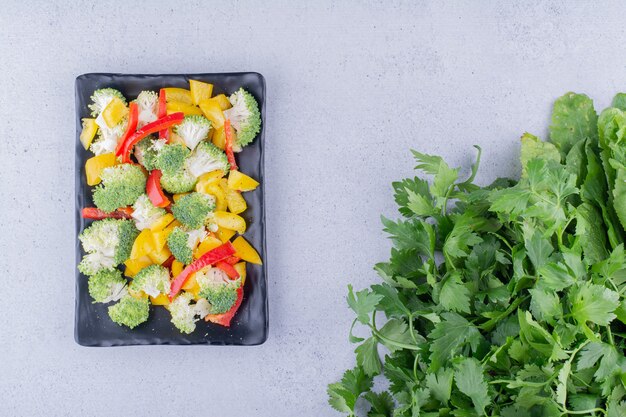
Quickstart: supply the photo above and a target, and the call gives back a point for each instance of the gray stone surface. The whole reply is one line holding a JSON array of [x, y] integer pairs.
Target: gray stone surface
[[351, 87]]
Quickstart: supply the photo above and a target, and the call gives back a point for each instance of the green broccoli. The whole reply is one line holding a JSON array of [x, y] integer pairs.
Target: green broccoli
[[121, 186], [206, 158], [101, 99], [171, 158], [130, 311], [107, 285], [146, 151], [182, 243], [145, 213], [180, 182], [218, 289], [193, 209], [147, 102], [153, 280], [184, 313], [108, 243], [244, 116], [193, 130]]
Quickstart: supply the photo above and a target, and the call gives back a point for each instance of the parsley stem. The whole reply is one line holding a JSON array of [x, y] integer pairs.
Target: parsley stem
[[388, 341], [592, 410]]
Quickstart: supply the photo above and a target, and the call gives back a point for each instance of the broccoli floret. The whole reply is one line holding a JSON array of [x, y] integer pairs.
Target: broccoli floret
[[153, 280], [108, 243], [193, 129], [121, 186], [147, 102], [171, 158], [101, 98], [106, 286], [244, 116], [108, 138], [206, 158], [193, 209], [218, 289], [145, 213], [130, 311], [184, 312], [180, 182], [182, 243], [146, 151]]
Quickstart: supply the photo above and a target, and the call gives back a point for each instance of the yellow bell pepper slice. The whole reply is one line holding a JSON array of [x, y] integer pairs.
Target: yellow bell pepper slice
[[200, 91], [143, 245], [245, 251], [180, 95], [162, 223], [241, 182], [216, 191], [160, 300], [177, 106], [213, 112], [235, 201], [241, 268], [206, 245], [191, 283], [230, 221], [208, 178], [114, 112], [177, 268], [219, 138], [225, 234], [90, 128], [95, 165], [160, 256], [223, 101], [160, 238], [135, 265]]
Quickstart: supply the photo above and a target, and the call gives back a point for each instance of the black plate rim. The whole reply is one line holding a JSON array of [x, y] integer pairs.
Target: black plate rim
[[78, 218]]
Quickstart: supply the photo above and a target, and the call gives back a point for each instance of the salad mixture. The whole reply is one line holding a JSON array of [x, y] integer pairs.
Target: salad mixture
[[168, 198]]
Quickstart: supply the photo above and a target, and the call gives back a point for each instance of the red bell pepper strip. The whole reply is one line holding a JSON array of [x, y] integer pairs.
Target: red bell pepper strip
[[153, 127], [133, 119], [209, 258], [97, 214], [228, 269], [162, 112], [225, 318], [228, 138], [232, 260], [154, 191]]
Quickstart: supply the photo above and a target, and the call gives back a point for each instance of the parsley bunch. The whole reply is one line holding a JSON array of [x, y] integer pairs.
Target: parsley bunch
[[506, 300]]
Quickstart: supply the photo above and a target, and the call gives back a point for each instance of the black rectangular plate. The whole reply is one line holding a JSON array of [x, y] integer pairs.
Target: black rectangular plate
[[93, 327]]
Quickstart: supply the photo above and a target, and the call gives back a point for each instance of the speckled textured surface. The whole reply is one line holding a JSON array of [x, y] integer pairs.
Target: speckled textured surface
[[351, 87]]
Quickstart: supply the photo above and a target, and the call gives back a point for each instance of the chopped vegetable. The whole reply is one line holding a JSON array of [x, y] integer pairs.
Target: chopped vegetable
[[178, 95], [106, 286], [200, 91], [184, 312], [194, 209], [161, 112], [245, 116], [121, 186], [157, 125], [218, 289], [241, 182], [154, 191], [145, 213], [186, 109], [212, 111], [182, 243], [95, 165], [147, 105], [228, 145], [230, 221], [226, 318], [94, 213], [152, 280], [101, 99], [245, 251], [205, 158], [193, 129], [90, 128], [107, 243], [114, 112], [130, 311]]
